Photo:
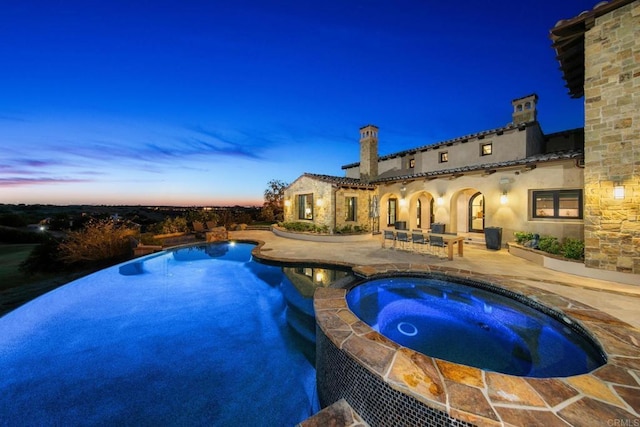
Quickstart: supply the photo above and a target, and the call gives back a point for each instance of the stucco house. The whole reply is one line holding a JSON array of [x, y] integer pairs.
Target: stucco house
[[506, 177], [579, 183]]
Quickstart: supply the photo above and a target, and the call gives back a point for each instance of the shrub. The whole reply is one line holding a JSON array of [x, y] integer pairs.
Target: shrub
[[361, 228], [149, 239], [350, 229], [522, 236], [99, 241], [573, 249], [550, 245], [173, 225], [299, 226], [346, 229]]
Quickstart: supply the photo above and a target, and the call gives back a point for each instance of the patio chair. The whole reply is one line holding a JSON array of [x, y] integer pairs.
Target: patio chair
[[436, 244], [417, 238], [403, 238], [388, 235]]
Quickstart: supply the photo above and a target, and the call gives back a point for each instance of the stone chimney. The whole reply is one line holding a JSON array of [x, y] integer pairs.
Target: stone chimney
[[368, 153], [524, 109]]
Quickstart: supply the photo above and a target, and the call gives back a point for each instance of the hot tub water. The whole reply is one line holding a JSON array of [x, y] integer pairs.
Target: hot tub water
[[474, 327]]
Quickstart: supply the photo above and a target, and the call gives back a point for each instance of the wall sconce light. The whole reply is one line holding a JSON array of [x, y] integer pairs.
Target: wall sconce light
[[440, 200], [287, 203], [503, 198], [403, 202], [618, 191], [403, 191], [319, 202]]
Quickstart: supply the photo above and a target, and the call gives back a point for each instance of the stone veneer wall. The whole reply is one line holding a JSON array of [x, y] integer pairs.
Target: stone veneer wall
[[612, 140], [362, 207], [323, 213]]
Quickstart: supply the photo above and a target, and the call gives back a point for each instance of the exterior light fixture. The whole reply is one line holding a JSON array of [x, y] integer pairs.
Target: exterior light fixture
[[440, 200], [618, 191], [319, 202], [287, 203], [403, 191], [503, 198]]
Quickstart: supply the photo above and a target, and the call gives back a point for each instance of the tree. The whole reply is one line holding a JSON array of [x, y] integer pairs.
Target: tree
[[273, 207]]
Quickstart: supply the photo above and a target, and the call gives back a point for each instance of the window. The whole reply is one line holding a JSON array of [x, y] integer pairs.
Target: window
[[432, 211], [557, 204], [412, 163], [391, 212], [305, 206], [444, 156], [350, 209], [419, 214], [486, 149]]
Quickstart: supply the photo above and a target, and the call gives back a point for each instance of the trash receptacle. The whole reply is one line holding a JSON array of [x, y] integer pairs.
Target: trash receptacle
[[437, 228], [493, 237], [401, 225]]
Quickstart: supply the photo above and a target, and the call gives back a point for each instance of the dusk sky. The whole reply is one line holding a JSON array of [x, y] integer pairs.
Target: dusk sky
[[204, 102]]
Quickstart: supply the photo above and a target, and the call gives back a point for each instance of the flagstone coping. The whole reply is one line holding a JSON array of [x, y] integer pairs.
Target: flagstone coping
[[607, 394]]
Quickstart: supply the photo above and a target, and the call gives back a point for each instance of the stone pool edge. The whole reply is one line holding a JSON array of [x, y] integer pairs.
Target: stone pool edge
[[488, 398]]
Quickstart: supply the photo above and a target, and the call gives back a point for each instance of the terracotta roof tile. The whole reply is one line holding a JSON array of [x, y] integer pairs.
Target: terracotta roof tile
[[528, 161], [341, 181], [568, 42], [436, 145]]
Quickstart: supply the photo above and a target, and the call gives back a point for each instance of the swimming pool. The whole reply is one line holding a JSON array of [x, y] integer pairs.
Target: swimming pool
[[475, 326], [195, 335]]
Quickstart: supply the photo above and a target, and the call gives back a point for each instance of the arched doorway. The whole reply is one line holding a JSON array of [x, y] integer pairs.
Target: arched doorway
[[476, 213]]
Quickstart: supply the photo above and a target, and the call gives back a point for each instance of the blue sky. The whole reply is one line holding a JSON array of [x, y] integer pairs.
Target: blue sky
[[204, 102]]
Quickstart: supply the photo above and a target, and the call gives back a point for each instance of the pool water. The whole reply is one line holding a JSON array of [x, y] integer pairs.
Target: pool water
[[199, 335], [474, 327]]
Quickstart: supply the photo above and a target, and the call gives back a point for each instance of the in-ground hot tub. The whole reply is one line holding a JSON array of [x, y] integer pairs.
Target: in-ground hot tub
[[476, 324], [387, 383]]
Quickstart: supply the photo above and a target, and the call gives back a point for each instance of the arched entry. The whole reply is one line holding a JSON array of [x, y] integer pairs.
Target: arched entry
[[476, 213]]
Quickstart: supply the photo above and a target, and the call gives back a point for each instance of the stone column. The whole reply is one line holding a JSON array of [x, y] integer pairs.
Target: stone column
[[612, 140]]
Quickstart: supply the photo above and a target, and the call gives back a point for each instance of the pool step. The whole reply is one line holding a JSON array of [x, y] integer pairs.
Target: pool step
[[339, 414]]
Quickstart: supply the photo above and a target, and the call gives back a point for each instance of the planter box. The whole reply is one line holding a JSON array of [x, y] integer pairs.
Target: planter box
[[554, 262], [327, 238]]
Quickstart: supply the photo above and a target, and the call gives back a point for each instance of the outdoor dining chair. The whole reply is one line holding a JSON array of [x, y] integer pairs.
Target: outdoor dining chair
[[403, 238], [388, 235], [436, 244], [417, 238]]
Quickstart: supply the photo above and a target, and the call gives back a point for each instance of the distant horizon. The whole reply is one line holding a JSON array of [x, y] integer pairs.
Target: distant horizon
[[134, 205], [205, 102]]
